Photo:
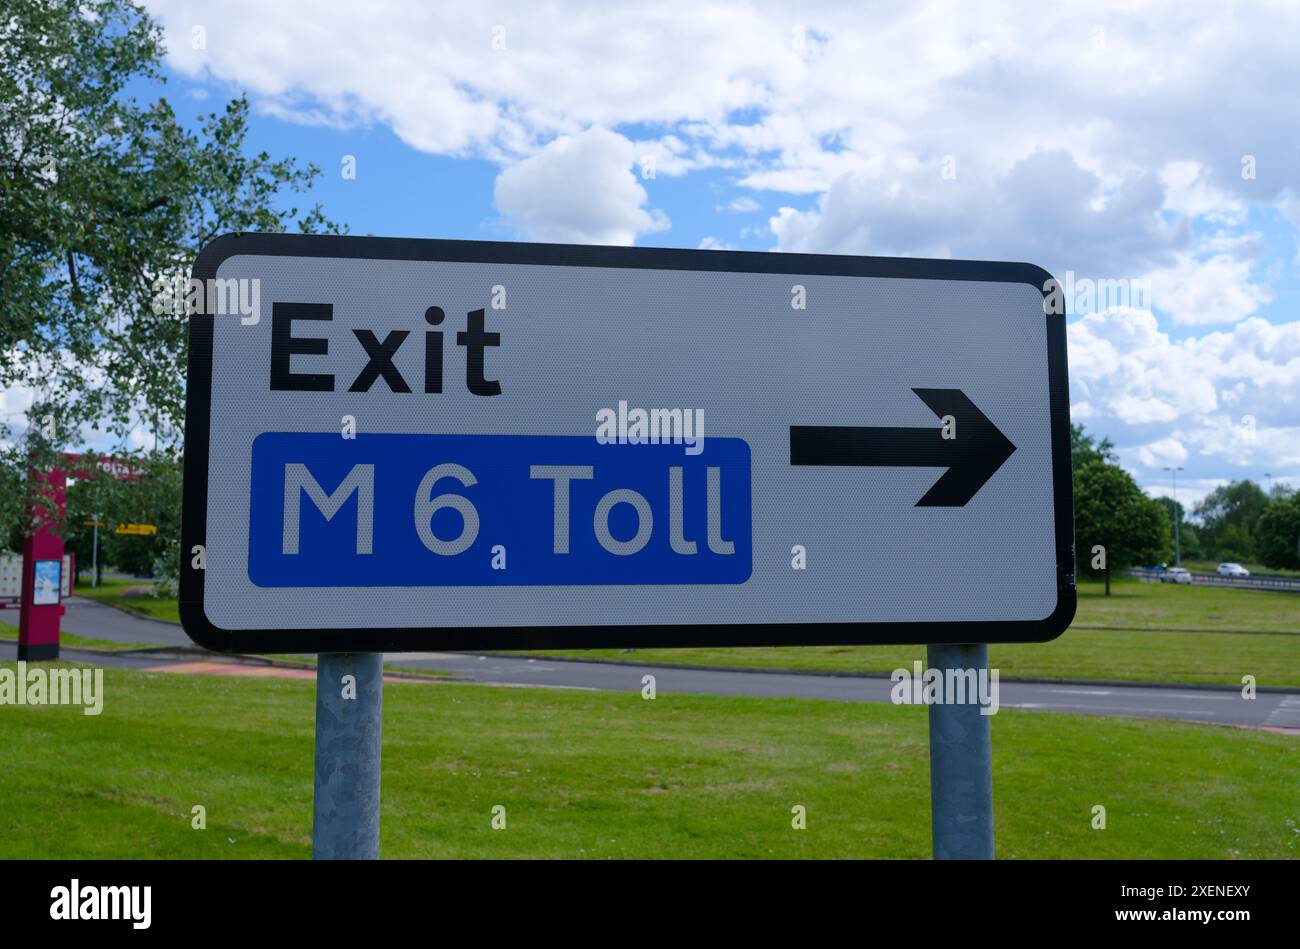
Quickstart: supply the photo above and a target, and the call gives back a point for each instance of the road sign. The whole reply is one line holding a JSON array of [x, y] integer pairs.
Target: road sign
[[409, 444], [136, 530]]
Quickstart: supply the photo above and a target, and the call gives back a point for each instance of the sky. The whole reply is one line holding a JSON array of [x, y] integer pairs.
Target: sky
[[1154, 146]]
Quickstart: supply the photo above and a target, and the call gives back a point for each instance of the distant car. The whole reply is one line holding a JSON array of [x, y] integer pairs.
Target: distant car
[[1176, 575], [1233, 570]]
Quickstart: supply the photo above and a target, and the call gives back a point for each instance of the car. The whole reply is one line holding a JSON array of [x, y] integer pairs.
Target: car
[[1233, 570], [1176, 575]]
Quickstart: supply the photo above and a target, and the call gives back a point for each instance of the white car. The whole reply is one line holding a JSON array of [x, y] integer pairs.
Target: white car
[[1176, 575], [1233, 570]]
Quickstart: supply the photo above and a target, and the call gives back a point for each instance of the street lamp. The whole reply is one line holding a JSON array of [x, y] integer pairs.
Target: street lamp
[[1177, 548]]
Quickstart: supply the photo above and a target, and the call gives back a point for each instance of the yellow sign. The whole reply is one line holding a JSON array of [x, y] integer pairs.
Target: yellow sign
[[138, 530]]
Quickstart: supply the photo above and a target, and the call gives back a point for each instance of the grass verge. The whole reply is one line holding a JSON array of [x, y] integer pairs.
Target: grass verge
[[1141, 633], [73, 641], [599, 774], [113, 592]]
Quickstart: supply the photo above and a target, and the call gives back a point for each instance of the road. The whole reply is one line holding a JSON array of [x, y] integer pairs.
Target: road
[[1215, 706], [97, 621], [1276, 584]]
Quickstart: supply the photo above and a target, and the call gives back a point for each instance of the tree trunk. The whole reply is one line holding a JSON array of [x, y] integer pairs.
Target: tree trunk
[[1108, 579]]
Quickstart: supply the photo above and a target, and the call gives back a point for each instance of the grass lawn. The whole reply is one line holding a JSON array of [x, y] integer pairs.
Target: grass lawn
[[1167, 606], [599, 774], [1142, 632], [73, 641], [111, 592]]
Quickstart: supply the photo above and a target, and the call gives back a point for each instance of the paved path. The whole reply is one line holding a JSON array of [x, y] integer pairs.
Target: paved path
[[97, 621]]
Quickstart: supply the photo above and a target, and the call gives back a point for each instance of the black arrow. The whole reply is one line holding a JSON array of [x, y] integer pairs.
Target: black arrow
[[972, 457]]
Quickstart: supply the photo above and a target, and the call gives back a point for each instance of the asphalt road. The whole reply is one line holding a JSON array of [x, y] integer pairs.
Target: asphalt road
[[97, 621], [1214, 706]]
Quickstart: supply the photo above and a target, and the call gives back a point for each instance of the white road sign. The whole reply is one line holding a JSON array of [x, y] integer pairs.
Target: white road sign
[[416, 444]]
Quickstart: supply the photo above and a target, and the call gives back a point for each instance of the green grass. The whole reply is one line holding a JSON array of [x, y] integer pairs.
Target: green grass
[[73, 641], [1141, 633], [1167, 606], [600, 774], [111, 590]]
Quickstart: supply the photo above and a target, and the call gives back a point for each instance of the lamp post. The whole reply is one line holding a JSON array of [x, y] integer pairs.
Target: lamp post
[[1177, 547]]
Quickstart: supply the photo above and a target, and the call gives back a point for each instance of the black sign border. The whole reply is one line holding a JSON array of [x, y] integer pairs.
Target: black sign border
[[422, 639]]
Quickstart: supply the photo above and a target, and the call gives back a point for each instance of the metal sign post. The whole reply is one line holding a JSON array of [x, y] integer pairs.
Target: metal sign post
[[961, 764], [349, 728]]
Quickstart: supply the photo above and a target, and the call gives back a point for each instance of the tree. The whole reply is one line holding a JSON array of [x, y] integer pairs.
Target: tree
[[1228, 516], [105, 203], [1187, 538], [1111, 512], [1277, 534], [1189, 542], [151, 496], [1085, 448]]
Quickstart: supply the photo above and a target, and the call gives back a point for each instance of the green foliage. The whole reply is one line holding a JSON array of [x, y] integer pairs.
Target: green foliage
[[1189, 539], [1110, 510], [1189, 542], [152, 496], [105, 203], [1084, 448], [1277, 534], [1228, 516]]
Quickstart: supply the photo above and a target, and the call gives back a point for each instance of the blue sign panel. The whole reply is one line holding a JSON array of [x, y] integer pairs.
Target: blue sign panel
[[496, 510]]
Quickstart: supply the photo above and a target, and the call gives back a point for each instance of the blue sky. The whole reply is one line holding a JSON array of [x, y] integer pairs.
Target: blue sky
[[1157, 144]]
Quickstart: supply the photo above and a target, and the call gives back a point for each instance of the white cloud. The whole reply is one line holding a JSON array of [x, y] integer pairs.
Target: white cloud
[[741, 205], [1224, 404], [1216, 289], [1121, 159], [578, 189], [1165, 452], [801, 104], [1046, 208], [1189, 192]]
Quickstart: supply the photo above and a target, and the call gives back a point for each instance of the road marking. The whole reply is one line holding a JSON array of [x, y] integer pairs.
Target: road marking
[[1082, 692], [1106, 709], [1287, 713]]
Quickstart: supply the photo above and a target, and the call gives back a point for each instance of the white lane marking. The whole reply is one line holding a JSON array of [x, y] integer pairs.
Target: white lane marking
[[1195, 696], [1081, 691], [1287, 713], [1104, 708]]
